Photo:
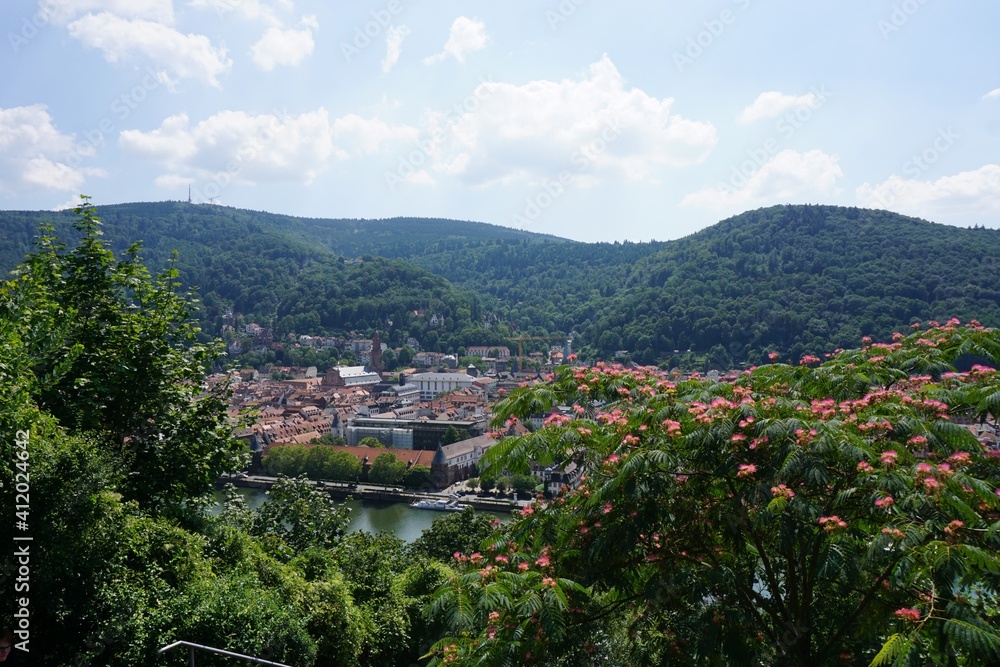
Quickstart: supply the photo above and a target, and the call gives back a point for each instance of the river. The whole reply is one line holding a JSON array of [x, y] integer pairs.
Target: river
[[400, 519]]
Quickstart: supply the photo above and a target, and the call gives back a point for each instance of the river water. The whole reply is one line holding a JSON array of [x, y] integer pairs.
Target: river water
[[399, 519]]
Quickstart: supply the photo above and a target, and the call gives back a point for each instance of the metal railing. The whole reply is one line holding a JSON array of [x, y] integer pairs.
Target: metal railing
[[218, 651]]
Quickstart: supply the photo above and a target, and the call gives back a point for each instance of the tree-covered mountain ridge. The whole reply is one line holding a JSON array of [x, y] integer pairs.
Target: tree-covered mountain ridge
[[791, 279], [796, 279]]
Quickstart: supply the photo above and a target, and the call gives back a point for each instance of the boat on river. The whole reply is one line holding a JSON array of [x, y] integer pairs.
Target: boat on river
[[439, 504]]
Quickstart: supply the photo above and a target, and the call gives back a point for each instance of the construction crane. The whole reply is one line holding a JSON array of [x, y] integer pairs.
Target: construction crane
[[520, 346]]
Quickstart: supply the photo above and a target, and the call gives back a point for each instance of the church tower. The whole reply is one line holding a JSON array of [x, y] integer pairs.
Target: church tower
[[377, 353]]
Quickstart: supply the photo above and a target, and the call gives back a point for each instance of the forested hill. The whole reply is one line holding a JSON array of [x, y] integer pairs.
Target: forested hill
[[798, 279], [791, 279], [164, 226], [271, 271]]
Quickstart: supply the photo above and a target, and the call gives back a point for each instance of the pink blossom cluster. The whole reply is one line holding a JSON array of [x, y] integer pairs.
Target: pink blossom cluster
[[912, 615], [885, 503], [832, 523], [782, 491]]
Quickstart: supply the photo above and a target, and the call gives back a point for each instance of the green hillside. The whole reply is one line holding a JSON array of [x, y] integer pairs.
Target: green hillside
[[799, 279], [791, 279]]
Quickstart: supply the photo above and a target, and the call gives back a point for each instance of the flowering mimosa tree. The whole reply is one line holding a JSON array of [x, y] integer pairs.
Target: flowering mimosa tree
[[821, 513]]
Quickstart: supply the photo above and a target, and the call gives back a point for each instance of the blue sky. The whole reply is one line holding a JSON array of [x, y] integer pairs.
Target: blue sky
[[587, 119]]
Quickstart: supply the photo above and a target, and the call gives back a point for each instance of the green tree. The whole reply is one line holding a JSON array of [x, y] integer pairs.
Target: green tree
[[386, 469], [288, 460], [524, 485], [370, 442], [344, 467], [452, 435], [317, 462], [418, 477], [123, 364], [333, 440], [797, 514], [462, 532], [299, 517]]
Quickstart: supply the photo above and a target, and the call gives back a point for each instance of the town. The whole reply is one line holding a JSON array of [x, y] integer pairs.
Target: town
[[434, 415]]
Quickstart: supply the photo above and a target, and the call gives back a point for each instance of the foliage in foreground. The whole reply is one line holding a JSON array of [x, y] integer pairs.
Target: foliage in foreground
[[797, 515], [112, 442]]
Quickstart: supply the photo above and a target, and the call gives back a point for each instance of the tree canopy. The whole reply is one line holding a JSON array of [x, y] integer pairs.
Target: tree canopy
[[812, 514]]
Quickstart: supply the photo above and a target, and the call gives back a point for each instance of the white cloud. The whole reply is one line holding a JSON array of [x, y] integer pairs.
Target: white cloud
[[593, 128], [238, 147], [467, 35], [772, 104], [184, 56], [253, 10], [63, 11], [34, 155], [367, 136], [394, 37], [788, 177], [287, 47], [968, 193], [992, 95]]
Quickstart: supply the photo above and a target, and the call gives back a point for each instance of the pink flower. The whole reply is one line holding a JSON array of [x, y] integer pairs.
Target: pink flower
[[959, 459], [613, 458], [543, 561], [475, 558], [523, 567], [917, 441], [527, 511], [832, 523], [864, 467], [782, 491], [607, 508], [549, 581], [884, 503], [494, 616], [889, 458], [738, 437], [931, 484], [673, 427], [502, 559], [911, 615], [746, 470], [773, 356], [953, 527]]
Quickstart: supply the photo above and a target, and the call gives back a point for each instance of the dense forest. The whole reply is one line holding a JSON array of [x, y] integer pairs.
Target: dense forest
[[786, 279]]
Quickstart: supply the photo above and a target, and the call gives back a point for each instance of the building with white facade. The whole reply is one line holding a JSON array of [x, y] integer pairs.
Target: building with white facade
[[434, 384]]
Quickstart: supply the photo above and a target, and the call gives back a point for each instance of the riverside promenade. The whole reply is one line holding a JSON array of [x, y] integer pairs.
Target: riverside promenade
[[378, 493]]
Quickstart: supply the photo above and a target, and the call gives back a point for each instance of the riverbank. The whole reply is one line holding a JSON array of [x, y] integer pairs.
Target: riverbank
[[377, 493]]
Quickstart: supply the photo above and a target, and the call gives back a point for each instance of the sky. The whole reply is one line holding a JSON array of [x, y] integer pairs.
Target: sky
[[587, 119]]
